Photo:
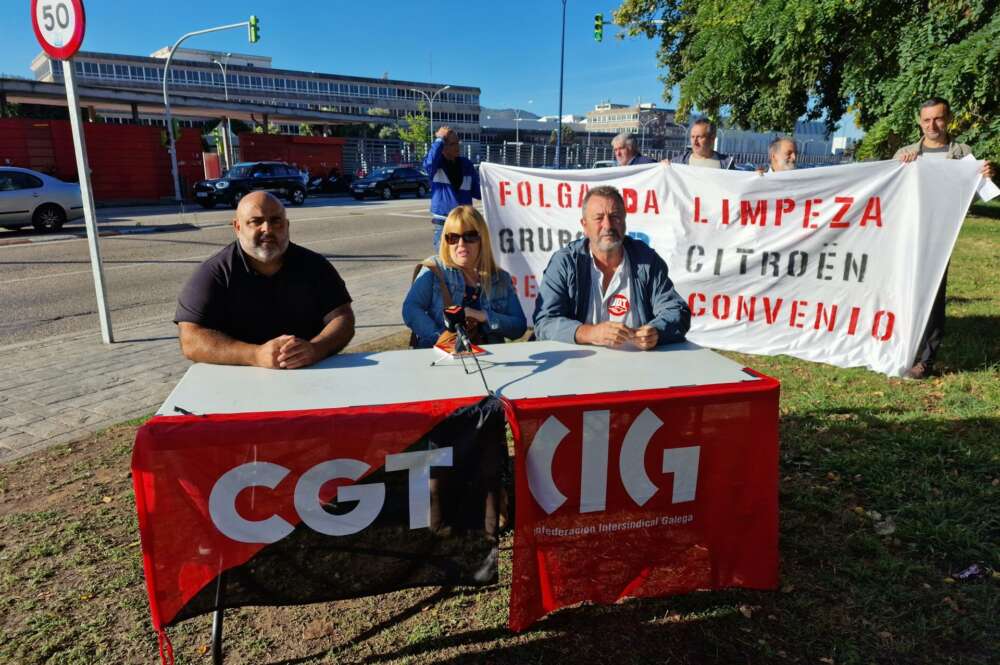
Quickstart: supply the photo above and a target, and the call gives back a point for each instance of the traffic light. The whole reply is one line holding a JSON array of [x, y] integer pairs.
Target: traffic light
[[598, 27], [254, 29]]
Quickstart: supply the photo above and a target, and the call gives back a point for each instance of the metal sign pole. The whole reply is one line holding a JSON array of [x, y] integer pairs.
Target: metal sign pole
[[87, 195]]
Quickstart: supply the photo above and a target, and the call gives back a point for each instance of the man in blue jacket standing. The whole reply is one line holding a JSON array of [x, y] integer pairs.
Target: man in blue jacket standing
[[608, 289], [454, 180]]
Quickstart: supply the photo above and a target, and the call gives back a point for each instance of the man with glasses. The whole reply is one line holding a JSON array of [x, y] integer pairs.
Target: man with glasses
[[263, 300], [608, 289], [454, 180]]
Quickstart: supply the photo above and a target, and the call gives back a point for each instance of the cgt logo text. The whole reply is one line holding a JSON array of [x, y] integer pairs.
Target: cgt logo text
[[370, 497], [681, 462]]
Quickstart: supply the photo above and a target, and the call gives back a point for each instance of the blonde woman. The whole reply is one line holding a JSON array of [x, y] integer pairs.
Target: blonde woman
[[464, 268]]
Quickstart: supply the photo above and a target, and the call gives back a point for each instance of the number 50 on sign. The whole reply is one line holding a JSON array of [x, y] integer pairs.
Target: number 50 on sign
[[59, 26]]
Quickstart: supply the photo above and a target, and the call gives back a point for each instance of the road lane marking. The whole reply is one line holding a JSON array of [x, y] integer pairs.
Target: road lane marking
[[199, 257]]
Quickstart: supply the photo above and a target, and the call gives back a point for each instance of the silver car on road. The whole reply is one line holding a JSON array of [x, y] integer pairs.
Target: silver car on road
[[29, 197]]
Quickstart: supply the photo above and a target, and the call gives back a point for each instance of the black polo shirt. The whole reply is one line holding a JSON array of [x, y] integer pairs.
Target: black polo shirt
[[227, 295]]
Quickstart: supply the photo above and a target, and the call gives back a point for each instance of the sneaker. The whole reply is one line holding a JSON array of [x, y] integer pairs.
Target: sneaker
[[920, 370]]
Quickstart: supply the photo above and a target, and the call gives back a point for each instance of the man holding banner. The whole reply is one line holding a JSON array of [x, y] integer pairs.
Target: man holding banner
[[626, 150], [702, 151], [782, 154], [935, 143], [607, 289]]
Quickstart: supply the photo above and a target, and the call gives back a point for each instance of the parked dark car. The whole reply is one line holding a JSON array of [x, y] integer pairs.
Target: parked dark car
[[391, 181], [334, 183], [280, 179]]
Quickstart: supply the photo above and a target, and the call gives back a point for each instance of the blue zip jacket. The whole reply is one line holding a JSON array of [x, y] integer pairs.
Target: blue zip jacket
[[564, 295], [445, 198], [423, 306]]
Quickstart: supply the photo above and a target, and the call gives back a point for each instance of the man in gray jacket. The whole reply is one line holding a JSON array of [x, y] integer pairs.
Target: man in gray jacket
[[935, 143], [607, 289]]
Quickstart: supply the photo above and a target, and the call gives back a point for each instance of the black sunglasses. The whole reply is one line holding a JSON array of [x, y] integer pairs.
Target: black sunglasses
[[469, 237]]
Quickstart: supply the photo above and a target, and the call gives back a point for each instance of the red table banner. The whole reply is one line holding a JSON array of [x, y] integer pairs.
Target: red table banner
[[298, 507], [646, 493]]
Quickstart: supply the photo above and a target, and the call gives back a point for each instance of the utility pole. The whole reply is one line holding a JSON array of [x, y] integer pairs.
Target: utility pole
[[562, 59]]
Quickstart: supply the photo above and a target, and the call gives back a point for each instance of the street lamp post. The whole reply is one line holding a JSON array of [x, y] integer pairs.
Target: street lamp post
[[230, 153], [649, 121], [166, 98], [430, 103]]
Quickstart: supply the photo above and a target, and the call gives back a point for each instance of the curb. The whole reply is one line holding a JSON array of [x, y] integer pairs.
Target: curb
[[79, 236]]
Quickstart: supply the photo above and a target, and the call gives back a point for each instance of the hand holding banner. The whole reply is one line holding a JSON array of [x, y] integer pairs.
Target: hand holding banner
[[836, 265]]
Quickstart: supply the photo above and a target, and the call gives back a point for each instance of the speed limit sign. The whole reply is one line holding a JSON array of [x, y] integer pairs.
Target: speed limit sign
[[59, 26]]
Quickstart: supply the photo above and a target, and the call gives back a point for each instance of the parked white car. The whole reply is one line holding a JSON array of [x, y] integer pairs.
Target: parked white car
[[604, 164], [29, 197]]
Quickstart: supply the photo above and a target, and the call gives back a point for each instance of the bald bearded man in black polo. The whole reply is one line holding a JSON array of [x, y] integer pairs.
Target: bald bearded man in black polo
[[263, 300]]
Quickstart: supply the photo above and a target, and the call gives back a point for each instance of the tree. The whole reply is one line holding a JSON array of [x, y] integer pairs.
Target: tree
[[378, 113], [767, 63], [416, 129], [305, 129], [272, 128], [9, 110], [568, 136]]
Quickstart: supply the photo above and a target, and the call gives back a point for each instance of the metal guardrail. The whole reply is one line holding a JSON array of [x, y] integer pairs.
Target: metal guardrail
[[368, 154]]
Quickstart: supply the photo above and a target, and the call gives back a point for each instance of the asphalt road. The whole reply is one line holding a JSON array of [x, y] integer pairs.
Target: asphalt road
[[46, 285]]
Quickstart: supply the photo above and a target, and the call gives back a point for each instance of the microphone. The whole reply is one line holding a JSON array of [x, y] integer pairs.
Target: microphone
[[454, 321]]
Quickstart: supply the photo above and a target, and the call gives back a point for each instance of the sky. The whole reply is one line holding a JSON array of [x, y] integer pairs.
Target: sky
[[509, 50]]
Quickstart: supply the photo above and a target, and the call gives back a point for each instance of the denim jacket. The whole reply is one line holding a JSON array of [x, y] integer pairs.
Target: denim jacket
[[564, 295], [422, 308]]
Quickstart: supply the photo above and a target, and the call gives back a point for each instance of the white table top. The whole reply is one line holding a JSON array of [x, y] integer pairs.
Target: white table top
[[515, 371]]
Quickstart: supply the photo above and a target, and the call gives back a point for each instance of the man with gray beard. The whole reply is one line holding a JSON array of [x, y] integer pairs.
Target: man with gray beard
[[263, 300], [608, 289]]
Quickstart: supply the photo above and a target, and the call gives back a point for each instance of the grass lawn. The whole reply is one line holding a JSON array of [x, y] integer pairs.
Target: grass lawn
[[889, 490]]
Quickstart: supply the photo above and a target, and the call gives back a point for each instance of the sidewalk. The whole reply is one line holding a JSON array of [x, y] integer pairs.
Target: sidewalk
[[61, 389]]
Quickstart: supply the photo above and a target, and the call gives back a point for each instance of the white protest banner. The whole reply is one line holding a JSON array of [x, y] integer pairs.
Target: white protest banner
[[837, 265]]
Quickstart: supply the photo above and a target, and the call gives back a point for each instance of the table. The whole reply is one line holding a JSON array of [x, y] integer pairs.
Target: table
[[514, 371], [652, 472]]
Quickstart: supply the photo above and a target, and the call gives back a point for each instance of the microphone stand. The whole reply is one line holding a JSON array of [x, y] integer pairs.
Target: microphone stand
[[464, 343]]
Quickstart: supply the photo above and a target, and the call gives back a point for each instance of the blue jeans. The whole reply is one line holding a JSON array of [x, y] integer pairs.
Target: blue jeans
[[438, 228]]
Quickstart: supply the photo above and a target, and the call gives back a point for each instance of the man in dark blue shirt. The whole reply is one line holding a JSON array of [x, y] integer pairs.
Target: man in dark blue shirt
[[263, 300]]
